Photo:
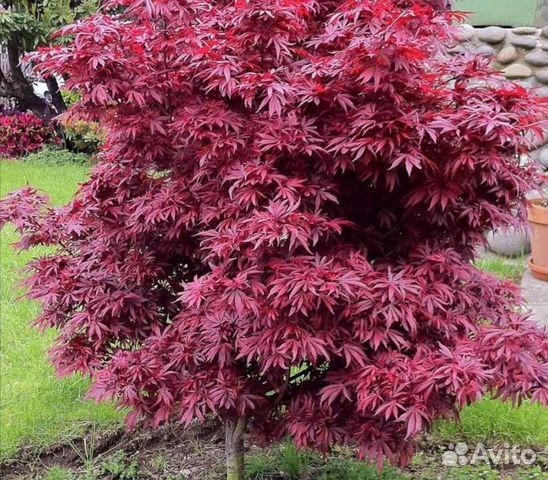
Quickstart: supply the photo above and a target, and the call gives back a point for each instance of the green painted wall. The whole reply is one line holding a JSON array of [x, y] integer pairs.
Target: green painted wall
[[508, 13]]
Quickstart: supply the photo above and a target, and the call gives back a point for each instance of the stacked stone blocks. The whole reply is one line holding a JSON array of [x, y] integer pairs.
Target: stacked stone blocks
[[520, 53]]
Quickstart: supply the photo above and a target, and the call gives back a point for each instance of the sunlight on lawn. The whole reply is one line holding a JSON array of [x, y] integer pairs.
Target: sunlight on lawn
[[36, 408]]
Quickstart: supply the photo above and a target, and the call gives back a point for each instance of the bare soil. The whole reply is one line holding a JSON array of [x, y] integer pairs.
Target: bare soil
[[171, 452], [196, 453]]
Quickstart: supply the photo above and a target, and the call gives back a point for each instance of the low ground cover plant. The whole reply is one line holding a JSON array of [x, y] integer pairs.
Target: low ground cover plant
[[58, 156], [280, 232]]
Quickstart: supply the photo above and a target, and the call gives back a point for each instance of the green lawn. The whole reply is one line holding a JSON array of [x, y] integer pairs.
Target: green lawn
[[503, 267], [36, 408], [493, 422]]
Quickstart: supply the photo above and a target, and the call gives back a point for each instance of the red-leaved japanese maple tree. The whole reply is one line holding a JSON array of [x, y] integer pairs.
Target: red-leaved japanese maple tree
[[281, 227]]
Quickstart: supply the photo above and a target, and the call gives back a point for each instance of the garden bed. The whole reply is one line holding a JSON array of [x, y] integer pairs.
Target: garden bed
[[197, 453]]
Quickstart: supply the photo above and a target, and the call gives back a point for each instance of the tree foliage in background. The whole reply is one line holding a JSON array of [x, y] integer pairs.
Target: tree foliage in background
[[25, 25], [281, 229]]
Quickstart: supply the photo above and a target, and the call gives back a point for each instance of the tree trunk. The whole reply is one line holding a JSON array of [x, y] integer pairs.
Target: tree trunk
[[14, 84], [234, 448], [56, 97]]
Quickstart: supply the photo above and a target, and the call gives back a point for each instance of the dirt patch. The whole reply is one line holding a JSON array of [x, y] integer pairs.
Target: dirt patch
[[197, 453], [171, 452]]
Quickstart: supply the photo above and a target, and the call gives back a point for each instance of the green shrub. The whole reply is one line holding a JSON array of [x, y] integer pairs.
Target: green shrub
[[59, 157], [70, 97], [85, 137], [79, 135]]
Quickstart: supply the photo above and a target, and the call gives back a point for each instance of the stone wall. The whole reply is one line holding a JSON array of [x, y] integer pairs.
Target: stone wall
[[520, 53]]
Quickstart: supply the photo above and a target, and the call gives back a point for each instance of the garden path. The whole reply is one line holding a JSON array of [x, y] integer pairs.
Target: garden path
[[536, 294]]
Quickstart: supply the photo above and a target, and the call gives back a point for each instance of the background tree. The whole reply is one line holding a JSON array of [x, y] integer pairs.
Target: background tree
[[24, 25], [281, 229]]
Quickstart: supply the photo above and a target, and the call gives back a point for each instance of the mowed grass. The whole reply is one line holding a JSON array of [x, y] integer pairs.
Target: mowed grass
[[503, 267], [491, 421], [36, 407], [494, 423]]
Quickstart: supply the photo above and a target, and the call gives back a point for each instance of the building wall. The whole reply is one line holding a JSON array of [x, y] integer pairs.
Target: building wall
[[505, 13]]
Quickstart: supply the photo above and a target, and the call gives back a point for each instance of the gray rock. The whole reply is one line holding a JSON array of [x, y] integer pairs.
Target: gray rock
[[486, 51], [536, 295], [492, 35], [543, 44], [457, 50], [484, 83], [542, 75], [535, 140], [524, 160], [527, 84], [523, 41], [508, 55], [510, 243], [465, 32], [517, 70], [541, 92], [538, 58], [543, 156], [525, 31], [544, 32], [534, 155]]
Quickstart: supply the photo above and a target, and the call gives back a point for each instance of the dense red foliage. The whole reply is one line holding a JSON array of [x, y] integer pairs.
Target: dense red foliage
[[283, 220], [22, 133]]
